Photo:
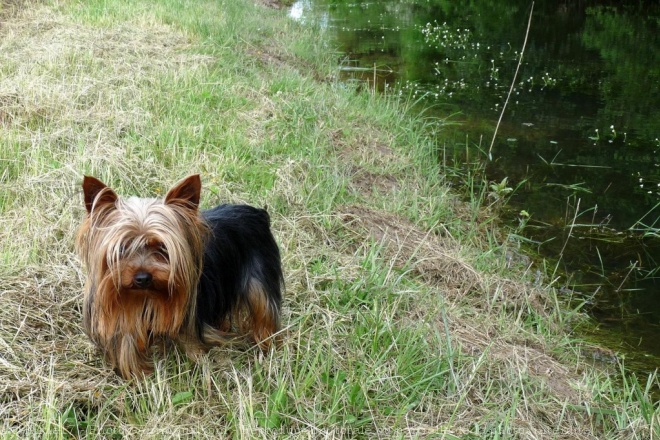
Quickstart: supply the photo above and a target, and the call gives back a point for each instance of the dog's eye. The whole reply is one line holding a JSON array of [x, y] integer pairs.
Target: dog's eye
[[162, 249], [122, 249]]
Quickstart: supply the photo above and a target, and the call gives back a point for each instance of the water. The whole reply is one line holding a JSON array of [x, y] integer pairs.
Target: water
[[579, 138]]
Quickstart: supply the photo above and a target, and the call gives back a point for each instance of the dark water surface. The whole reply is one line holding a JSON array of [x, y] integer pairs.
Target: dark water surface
[[579, 139]]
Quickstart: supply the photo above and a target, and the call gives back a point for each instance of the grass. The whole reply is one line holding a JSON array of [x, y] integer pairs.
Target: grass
[[404, 316]]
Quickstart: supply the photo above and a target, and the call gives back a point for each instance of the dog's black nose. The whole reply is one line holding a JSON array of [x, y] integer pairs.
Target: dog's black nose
[[142, 280]]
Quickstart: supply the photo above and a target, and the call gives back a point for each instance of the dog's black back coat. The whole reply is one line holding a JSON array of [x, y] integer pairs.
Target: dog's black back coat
[[240, 248]]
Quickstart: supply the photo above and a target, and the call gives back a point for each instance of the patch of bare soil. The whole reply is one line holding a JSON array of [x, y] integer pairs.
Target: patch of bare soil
[[532, 361], [365, 149], [366, 182], [434, 258], [275, 4]]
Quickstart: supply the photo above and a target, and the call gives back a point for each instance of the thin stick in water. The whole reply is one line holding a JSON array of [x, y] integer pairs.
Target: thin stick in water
[[515, 75]]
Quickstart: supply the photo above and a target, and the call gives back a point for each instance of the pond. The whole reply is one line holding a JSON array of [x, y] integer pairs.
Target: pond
[[578, 139]]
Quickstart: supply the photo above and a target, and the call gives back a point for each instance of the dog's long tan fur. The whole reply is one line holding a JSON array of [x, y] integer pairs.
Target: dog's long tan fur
[[119, 321]]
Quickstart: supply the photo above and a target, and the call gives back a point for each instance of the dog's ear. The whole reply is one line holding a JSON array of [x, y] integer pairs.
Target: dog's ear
[[185, 193], [97, 193]]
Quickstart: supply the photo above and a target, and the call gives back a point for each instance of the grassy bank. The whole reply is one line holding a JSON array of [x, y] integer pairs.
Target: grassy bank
[[405, 316]]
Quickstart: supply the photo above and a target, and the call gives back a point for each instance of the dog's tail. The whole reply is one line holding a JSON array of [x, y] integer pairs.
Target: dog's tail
[[264, 307]]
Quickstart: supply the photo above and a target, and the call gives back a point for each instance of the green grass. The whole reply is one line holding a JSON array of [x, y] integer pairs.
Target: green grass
[[403, 316]]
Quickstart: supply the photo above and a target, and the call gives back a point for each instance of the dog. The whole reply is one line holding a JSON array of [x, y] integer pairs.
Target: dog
[[161, 269]]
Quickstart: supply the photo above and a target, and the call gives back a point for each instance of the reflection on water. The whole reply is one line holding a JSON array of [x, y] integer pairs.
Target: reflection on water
[[580, 132]]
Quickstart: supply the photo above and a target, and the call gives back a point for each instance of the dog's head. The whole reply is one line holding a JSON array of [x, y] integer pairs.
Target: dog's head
[[142, 246]]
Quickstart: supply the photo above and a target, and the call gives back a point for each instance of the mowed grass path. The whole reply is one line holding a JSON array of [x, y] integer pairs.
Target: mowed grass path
[[404, 315]]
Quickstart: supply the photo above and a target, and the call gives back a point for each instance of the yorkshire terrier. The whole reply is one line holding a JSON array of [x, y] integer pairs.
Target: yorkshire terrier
[[160, 269]]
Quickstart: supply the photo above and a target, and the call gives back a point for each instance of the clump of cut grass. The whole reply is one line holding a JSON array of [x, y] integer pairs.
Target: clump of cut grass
[[401, 317]]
